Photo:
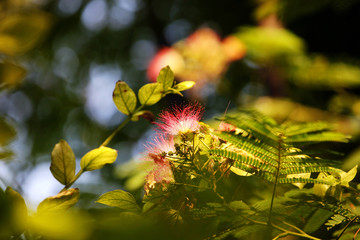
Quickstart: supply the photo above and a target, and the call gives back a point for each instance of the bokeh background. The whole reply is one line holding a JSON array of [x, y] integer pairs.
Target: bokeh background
[[60, 59]]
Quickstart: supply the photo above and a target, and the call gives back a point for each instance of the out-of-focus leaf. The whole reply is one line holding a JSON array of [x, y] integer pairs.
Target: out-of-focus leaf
[[6, 154], [319, 73], [150, 93], [97, 158], [7, 132], [352, 159], [22, 31], [18, 211], [124, 98], [60, 225], [63, 162], [267, 44], [173, 217], [317, 220], [11, 75], [134, 173], [119, 199], [166, 78], [60, 201], [182, 86]]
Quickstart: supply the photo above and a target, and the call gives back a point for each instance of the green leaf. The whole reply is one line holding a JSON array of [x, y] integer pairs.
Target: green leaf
[[59, 202], [124, 98], [150, 93], [97, 158], [166, 78], [62, 162], [182, 86], [119, 199]]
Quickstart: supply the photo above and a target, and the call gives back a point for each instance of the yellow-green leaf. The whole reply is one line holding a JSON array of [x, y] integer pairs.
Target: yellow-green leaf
[[119, 199], [97, 158], [124, 98], [346, 177], [59, 202], [182, 86], [150, 93], [166, 78], [62, 162]]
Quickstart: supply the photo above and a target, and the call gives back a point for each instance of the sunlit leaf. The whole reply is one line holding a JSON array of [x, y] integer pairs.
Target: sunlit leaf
[[124, 98], [166, 78], [347, 177], [119, 199], [60, 202], [22, 31], [150, 93], [182, 86], [11, 75], [97, 158], [63, 162]]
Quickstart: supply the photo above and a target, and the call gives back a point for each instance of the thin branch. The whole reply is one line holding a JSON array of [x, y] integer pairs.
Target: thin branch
[[347, 225]]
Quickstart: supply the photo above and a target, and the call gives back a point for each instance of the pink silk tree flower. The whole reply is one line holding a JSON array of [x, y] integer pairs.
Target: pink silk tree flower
[[180, 120], [157, 152]]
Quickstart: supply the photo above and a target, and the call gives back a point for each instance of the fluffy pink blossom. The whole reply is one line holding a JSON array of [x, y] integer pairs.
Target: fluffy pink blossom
[[157, 151], [180, 120], [159, 147]]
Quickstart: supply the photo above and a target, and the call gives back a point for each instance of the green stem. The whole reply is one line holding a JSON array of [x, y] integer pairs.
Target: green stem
[[112, 135], [347, 225], [73, 180], [276, 179], [285, 232]]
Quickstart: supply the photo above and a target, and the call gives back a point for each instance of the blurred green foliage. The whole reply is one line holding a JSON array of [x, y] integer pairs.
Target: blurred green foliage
[[302, 64]]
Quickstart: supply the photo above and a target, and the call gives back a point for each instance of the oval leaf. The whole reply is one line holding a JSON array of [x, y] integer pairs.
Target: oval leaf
[[124, 98], [62, 162], [60, 202], [182, 86], [150, 93], [166, 78], [119, 199], [97, 158]]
